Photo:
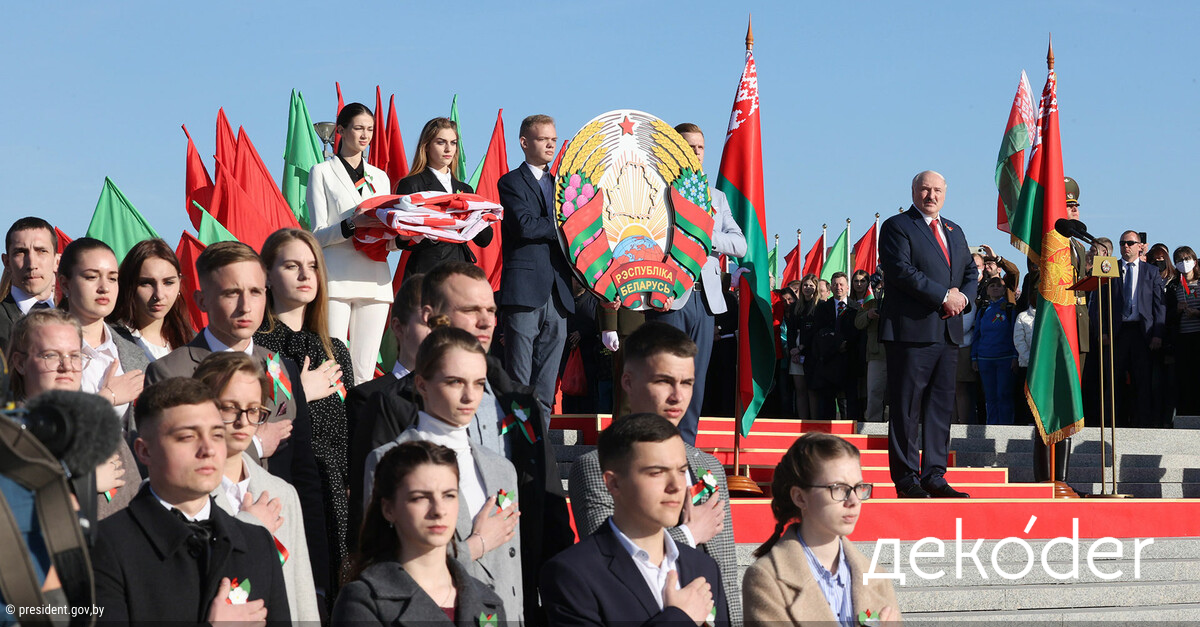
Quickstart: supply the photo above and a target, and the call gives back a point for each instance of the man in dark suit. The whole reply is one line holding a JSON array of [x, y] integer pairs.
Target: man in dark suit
[[932, 280], [171, 556], [461, 292], [834, 345], [630, 571], [1139, 308], [659, 378], [233, 292], [31, 259], [535, 286]]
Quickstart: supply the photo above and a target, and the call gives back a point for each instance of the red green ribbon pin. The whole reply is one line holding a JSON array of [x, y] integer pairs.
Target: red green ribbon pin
[[281, 551], [280, 384], [488, 620], [239, 593], [503, 501], [110, 495], [703, 488], [518, 416], [867, 618]]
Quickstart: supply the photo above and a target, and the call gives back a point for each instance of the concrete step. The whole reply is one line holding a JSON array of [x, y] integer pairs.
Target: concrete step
[[1073, 596], [1187, 422], [1144, 490], [1014, 459], [1173, 614]]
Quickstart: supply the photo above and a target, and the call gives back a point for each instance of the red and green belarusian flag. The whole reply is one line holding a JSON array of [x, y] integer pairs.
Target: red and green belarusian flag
[[1010, 164], [1052, 384], [741, 179]]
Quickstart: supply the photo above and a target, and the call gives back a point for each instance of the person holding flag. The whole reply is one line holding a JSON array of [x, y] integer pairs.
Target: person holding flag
[[932, 281], [360, 290]]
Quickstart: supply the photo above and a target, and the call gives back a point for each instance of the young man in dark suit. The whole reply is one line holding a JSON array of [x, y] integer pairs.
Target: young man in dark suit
[[171, 556], [233, 292], [535, 286], [658, 379], [932, 280], [31, 258], [630, 571]]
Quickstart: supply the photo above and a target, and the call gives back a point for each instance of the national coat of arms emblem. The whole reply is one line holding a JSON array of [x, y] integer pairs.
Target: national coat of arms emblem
[[633, 209]]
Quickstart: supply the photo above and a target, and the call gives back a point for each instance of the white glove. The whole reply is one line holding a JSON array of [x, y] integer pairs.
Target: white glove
[[737, 275], [610, 341]]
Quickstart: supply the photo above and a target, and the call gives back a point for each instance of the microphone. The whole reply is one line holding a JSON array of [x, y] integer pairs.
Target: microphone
[[78, 428], [1073, 228]]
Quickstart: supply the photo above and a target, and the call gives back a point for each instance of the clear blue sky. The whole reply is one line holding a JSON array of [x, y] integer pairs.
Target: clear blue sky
[[856, 97]]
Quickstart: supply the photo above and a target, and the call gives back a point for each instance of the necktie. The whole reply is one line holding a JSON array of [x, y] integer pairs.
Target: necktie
[[547, 184], [937, 235], [198, 543], [1130, 283], [841, 307], [40, 305]]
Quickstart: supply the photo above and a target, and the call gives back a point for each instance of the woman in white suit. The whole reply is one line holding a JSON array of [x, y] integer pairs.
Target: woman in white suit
[[360, 290]]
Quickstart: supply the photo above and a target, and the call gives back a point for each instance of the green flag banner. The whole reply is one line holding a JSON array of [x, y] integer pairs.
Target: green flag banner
[[117, 223], [301, 153], [839, 256]]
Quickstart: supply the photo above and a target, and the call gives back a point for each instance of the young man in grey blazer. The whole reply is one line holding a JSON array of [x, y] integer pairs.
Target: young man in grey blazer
[[658, 378]]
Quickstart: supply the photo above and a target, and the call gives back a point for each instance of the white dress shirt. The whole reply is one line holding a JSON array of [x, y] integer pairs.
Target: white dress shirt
[[654, 575], [235, 491], [219, 347], [102, 356], [154, 352], [399, 371], [25, 302], [203, 514], [444, 178]]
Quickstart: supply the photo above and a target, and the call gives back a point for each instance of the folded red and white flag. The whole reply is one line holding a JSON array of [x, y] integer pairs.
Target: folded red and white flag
[[426, 215]]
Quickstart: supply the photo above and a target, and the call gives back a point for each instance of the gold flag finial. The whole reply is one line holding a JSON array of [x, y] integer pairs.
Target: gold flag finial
[[749, 33], [1050, 53]]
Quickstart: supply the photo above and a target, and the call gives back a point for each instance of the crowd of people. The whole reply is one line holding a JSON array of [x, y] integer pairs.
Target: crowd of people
[[265, 474]]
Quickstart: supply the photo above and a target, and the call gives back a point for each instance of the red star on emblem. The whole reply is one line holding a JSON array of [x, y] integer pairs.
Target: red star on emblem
[[626, 127]]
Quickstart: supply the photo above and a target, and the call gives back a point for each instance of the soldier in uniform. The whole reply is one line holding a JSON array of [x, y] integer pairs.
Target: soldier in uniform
[[1062, 450]]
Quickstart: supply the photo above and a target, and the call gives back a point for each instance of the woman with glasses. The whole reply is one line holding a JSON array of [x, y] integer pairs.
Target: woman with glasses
[[45, 352], [809, 572], [149, 311], [87, 274], [247, 490]]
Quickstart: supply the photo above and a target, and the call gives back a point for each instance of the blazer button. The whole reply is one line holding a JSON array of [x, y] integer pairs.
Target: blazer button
[[512, 551]]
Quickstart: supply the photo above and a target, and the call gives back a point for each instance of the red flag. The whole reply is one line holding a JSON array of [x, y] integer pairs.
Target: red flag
[[558, 158], [866, 250], [255, 179], [815, 260], [226, 144], [197, 185], [247, 220], [793, 268], [337, 137], [397, 160], [379, 140], [63, 240], [495, 165], [188, 250]]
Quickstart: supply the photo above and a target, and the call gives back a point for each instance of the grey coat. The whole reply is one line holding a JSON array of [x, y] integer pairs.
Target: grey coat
[[387, 595], [592, 505], [132, 358], [499, 568]]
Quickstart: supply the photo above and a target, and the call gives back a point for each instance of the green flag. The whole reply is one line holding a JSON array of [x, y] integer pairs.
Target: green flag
[[302, 152], [839, 256], [117, 223], [474, 182], [773, 265], [211, 231], [460, 168]]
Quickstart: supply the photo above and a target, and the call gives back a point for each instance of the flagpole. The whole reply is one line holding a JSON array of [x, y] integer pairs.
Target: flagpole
[[824, 245], [849, 262], [775, 266], [736, 482], [876, 243]]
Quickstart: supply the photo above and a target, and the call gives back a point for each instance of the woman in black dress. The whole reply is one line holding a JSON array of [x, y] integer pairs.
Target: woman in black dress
[[296, 326], [432, 171]]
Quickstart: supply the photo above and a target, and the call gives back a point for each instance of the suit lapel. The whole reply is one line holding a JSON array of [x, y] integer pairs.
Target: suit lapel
[[918, 219], [226, 535], [792, 569], [430, 181], [339, 172], [621, 565], [534, 187]]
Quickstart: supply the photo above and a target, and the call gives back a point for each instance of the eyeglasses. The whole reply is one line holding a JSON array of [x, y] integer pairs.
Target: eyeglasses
[[53, 360], [253, 415], [841, 491], [1129, 243]]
